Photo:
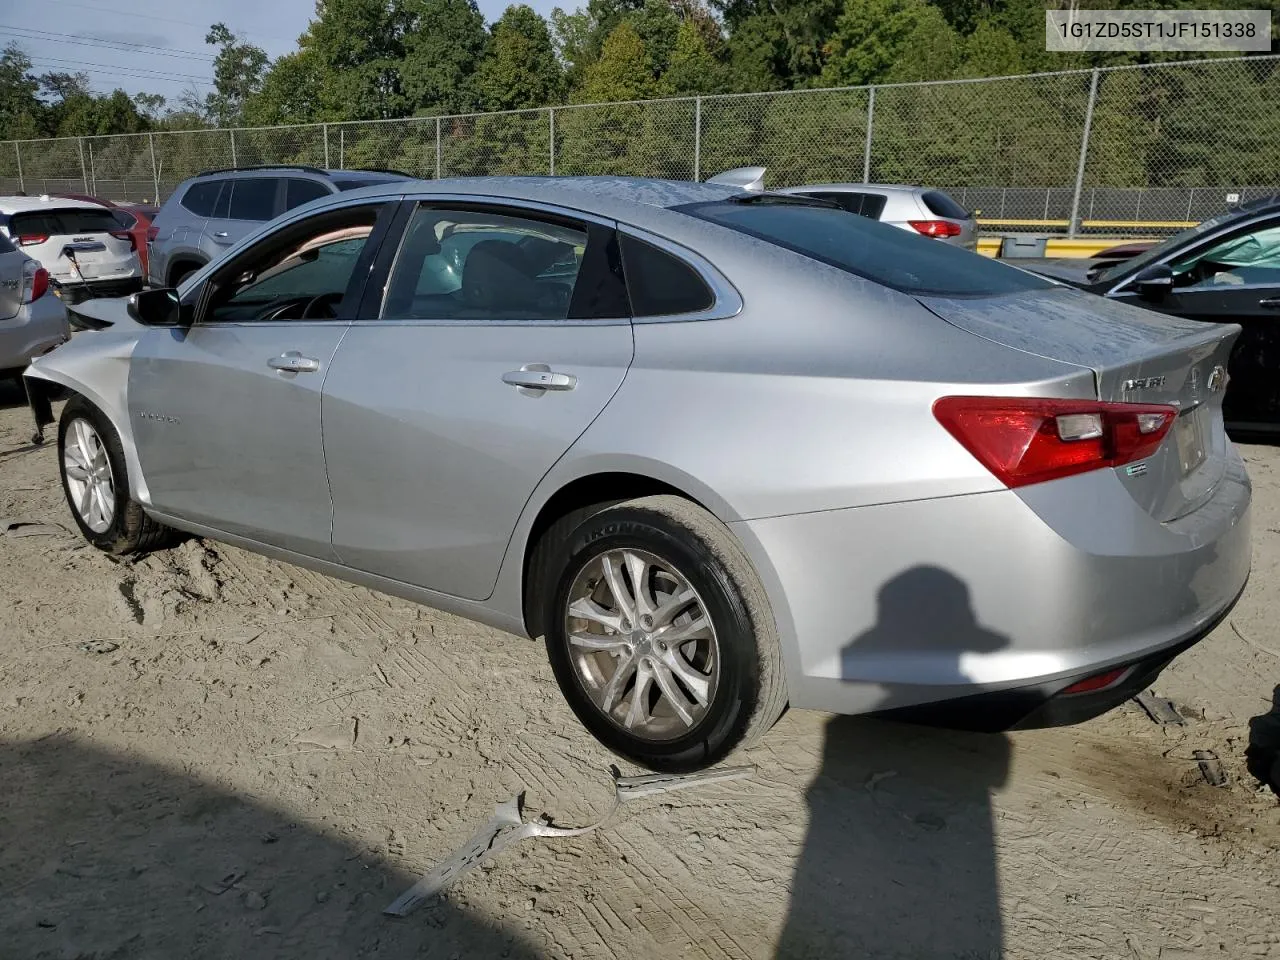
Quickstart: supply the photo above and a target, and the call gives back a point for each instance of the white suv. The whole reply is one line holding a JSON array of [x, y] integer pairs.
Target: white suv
[[83, 246]]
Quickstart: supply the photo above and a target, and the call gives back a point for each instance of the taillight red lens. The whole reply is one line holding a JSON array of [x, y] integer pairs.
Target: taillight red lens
[[1025, 441], [1097, 682], [936, 228], [27, 239], [35, 281]]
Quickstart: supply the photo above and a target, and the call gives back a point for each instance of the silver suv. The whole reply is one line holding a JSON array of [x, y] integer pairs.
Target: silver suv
[[210, 212]]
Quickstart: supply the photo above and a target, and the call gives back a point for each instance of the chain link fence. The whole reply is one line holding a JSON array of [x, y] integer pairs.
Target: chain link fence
[[1117, 151]]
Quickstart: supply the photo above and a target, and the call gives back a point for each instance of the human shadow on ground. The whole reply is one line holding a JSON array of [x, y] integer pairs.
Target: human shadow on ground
[[899, 858], [1263, 753], [108, 857]]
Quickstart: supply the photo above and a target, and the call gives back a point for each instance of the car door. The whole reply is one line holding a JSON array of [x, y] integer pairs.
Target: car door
[[1234, 277], [244, 204], [502, 334], [226, 414]]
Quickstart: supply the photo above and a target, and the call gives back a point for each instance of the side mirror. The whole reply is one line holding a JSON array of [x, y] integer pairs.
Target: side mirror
[[159, 308], [1154, 282]]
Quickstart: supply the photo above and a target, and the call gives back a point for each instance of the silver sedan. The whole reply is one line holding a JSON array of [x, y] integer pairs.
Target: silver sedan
[[724, 451]]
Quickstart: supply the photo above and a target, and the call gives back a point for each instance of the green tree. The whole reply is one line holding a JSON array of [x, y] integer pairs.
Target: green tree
[[443, 44], [290, 92], [519, 68], [238, 71], [22, 115], [357, 48], [872, 37], [693, 66], [621, 72]]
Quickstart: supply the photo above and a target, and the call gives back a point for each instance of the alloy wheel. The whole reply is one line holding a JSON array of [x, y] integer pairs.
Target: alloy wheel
[[88, 474]]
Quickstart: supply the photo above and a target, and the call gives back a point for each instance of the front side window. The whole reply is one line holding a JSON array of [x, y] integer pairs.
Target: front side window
[[458, 264], [1251, 258], [253, 198], [301, 273]]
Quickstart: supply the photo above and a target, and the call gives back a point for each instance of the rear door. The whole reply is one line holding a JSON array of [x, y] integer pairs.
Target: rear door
[[244, 204], [504, 331], [76, 244]]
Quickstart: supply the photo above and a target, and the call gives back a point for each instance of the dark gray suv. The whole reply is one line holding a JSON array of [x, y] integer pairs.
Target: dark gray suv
[[213, 210]]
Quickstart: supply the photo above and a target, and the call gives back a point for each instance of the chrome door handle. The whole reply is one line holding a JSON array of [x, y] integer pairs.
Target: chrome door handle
[[1271, 303], [540, 377], [294, 362]]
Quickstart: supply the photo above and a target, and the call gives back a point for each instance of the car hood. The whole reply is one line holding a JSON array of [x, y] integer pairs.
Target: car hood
[[1072, 270]]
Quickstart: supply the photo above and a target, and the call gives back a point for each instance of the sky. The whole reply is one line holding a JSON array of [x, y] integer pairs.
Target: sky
[[156, 46]]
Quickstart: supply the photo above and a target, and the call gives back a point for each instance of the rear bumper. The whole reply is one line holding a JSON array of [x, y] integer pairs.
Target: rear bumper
[[37, 328], [996, 602], [73, 293]]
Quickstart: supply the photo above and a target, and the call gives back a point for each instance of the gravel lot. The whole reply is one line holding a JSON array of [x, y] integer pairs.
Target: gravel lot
[[206, 754]]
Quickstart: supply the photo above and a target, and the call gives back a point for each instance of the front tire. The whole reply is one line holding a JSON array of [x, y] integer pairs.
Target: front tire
[[96, 483], [660, 634]]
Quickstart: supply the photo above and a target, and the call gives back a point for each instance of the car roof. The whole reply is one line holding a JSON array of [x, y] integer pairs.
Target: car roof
[[856, 188], [605, 196], [24, 204]]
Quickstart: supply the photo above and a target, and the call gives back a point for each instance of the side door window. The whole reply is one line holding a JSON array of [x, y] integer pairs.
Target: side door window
[[254, 199], [298, 191], [460, 263], [1250, 258], [304, 272]]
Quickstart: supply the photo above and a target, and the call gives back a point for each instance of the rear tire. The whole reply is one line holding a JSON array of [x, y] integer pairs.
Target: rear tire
[[662, 691], [181, 273], [95, 481]]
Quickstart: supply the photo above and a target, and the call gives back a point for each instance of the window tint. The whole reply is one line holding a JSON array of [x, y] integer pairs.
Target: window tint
[[126, 220], [873, 205], [64, 222], [200, 197], [253, 198], [904, 261], [299, 274], [298, 192], [940, 205], [866, 204], [659, 284], [222, 208], [478, 265], [1251, 257]]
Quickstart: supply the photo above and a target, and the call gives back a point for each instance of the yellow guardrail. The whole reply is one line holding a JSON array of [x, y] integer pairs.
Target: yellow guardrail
[[1092, 224], [1064, 246]]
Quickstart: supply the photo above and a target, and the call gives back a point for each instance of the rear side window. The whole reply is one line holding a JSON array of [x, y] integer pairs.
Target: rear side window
[[64, 222], [865, 204], [298, 192], [659, 284], [253, 198], [907, 262], [200, 197], [126, 220], [940, 205]]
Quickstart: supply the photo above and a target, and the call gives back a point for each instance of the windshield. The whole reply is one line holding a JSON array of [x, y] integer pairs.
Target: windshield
[[1153, 254], [896, 258]]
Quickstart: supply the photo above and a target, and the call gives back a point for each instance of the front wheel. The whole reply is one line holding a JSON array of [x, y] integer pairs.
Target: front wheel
[[94, 479], [660, 635]]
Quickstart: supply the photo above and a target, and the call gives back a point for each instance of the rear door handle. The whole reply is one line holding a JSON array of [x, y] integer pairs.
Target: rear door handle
[[1271, 303], [538, 376], [221, 235], [294, 362]]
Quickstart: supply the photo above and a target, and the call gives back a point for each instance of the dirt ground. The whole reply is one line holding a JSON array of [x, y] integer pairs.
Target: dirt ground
[[206, 754]]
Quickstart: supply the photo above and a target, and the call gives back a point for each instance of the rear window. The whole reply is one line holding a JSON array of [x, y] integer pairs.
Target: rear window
[[200, 197], [905, 261], [253, 198], [298, 192], [659, 284], [940, 205], [64, 222]]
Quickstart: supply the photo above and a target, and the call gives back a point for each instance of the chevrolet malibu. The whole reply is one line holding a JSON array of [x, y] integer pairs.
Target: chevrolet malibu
[[724, 451]]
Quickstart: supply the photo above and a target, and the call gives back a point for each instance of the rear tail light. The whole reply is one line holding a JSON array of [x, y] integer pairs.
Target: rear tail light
[[27, 239], [935, 228], [35, 281], [1025, 441], [125, 235]]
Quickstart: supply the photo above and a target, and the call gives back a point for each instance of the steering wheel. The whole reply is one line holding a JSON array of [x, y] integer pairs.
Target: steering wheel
[[321, 307]]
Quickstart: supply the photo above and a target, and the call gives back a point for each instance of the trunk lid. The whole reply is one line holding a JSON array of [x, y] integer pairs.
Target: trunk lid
[[11, 265], [1137, 356]]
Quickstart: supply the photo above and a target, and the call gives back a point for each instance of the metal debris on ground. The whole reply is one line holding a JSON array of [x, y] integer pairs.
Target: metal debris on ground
[[507, 826], [1160, 710], [1211, 768]]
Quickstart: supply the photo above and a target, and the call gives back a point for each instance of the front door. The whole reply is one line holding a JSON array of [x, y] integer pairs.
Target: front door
[[502, 334], [227, 413], [244, 204]]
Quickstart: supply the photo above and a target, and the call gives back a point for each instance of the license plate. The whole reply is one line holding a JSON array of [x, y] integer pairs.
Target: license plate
[[1189, 433]]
